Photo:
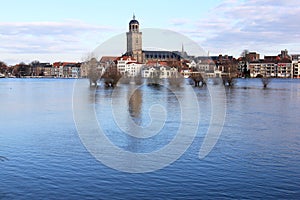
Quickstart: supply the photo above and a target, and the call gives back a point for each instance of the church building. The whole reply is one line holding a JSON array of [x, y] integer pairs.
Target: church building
[[135, 50]]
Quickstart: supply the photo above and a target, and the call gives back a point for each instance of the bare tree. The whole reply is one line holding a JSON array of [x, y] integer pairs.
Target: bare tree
[[245, 54], [198, 79], [21, 70], [246, 59], [35, 63], [265, 81], [231, 70], [93, 73], [111, 75], [229, 81], [3, 67]]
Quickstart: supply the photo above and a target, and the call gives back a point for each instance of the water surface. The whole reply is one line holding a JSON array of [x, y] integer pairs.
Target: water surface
[[256, 156]]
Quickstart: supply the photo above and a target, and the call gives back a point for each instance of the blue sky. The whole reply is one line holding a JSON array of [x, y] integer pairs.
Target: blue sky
[[68, 30]]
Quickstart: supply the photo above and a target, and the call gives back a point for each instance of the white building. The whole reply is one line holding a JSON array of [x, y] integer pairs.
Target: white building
[[128, 66], [296, 65], [267, 69], [61, 71], [296, 68], [159, 71], [271, 69], [284, 70], [75, 71]]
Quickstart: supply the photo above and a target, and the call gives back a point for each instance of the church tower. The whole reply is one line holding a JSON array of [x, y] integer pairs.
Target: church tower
[[134, 40]]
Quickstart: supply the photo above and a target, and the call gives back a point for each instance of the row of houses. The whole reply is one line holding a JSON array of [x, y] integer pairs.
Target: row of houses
[[281, 66], [280, 69], [37, 69], [126, 65], [129, 67]]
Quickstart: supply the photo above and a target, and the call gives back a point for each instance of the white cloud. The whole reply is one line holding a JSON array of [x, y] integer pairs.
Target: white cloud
[[48, 28], [52, 38], [265, 26]]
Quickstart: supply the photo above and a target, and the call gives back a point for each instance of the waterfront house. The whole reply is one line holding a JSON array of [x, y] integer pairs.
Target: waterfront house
[[48, 70], [128, 66], [160, 71], [295, 65], [262, 68]]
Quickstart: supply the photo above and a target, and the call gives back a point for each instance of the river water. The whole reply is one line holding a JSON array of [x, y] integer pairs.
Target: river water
[[257, 154]]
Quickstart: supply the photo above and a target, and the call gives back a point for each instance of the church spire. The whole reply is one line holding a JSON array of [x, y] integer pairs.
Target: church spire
[[133, 17]]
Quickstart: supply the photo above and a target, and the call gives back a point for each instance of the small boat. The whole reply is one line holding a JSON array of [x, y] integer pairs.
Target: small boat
[[2, 75]]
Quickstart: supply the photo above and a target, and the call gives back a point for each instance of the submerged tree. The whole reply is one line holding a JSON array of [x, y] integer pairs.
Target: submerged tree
[[229, 80], [198, 79], [231, 71], [93, 71], [111, 75], [265, 81]]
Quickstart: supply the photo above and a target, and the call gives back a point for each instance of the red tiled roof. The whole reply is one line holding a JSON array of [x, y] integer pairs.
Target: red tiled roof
[[105, 59], [126, 58], [56, 64], [67, 63], [163, 63]]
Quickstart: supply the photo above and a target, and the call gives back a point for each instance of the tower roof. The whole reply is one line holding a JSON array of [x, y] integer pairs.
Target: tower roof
[[134, 21]]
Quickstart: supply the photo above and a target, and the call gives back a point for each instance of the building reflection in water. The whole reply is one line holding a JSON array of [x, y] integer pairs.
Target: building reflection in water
[[135, 106]]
